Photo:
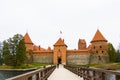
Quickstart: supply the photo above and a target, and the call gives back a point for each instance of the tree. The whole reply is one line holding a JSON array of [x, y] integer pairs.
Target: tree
[[118, 56], [21, 52], [6, 53], [14, 51], [111, 52], [1, 57]]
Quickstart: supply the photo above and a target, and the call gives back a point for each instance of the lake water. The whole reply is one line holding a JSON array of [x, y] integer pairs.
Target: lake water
[[4, 74]]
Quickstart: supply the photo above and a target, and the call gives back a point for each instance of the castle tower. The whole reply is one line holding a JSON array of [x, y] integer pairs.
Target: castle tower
[[81, 44], [99, 44], [59, 52], [99, 48], [28, 42]]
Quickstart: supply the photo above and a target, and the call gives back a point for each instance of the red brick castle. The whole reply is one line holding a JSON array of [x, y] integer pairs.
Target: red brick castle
[[96, 52]]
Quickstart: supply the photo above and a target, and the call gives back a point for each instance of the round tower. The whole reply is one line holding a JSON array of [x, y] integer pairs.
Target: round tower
[[99, 48]]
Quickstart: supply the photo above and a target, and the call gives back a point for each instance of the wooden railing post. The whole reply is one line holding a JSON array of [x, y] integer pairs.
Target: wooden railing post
[[94, 75], [103, 76], [79, 71], [84, 73], [88, 75], [117, 77], [30, 78], [37, 76], [43, 74]]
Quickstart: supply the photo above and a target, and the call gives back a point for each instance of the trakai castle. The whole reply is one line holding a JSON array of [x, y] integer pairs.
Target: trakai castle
[[95, 53]]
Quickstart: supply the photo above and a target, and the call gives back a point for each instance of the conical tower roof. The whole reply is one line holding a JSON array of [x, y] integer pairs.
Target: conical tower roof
[[60, 42], [98, 37], [27, 39]]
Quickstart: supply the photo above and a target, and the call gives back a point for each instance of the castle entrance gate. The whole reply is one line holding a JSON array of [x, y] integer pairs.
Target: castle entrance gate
[[59, 60]]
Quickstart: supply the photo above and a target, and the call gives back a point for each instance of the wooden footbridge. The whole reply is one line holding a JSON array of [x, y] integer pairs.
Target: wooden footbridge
[[68, 73]]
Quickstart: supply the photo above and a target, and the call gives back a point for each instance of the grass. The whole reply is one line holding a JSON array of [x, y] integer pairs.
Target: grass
[[25, 66], [113, 66]]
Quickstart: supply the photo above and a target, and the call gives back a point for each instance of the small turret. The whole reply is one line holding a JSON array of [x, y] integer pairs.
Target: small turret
[[28, 42], [81, 44]]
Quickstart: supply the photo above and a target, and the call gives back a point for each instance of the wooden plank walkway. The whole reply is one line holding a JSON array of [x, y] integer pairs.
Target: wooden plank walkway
[[63, 74]]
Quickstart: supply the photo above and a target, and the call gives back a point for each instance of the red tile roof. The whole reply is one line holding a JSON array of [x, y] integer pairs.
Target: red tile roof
[[98, 37], [60, 42], [36, 48], [27, 39], [40, 49]]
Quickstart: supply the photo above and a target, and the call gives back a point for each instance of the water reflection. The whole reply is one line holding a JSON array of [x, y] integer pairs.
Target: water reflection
[[107, 76], [2, 77], [4, 74], [110, 77]]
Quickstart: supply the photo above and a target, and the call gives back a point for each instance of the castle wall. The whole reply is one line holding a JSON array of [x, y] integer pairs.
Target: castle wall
[[77, 58], [43, 57], [99, 48], [95, 54], [29, 46], [99, 59]]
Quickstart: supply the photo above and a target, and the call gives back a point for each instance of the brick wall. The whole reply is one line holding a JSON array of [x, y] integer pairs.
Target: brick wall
[[77, 58], [43, 57], [99, 59]]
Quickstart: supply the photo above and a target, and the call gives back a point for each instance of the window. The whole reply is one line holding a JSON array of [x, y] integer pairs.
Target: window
[[100, 46], [58, 50], [96, 51], [94, 47], [102, 51]]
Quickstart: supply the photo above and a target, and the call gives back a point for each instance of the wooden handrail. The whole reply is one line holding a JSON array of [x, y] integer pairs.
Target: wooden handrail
[[40, 74], [93, 73]]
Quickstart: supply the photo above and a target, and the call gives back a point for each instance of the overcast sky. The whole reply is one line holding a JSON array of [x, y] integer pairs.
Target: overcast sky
[[44, 19]]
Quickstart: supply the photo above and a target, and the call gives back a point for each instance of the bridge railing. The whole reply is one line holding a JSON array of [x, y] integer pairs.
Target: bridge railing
[[94, 73], [40, 74]]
